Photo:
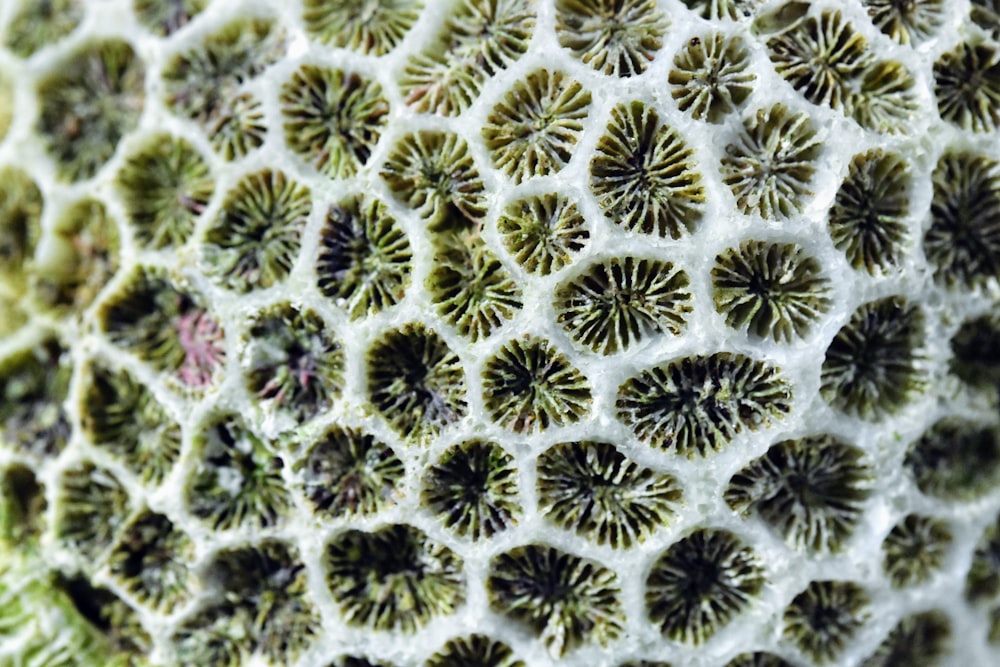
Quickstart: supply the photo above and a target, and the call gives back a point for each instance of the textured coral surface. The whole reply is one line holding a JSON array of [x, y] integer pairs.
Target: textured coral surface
[[506, 333]]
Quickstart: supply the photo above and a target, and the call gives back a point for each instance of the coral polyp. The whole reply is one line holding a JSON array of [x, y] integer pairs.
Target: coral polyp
[[915, 549], [543, 233], [822, 620], [616, 37], [375, 28], [711, 76], [967, 86], [477, 650]]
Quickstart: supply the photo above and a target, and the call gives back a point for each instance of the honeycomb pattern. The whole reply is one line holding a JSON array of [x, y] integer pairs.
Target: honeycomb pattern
[[514, 333]]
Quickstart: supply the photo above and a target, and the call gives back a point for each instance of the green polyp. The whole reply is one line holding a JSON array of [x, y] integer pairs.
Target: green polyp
[[91, 507], [33, 386], [479, 650], [543, 233], [41, 23], [165, 17], [375, 27], [20, 217], [90, 101], [615, 37], [711, 76]]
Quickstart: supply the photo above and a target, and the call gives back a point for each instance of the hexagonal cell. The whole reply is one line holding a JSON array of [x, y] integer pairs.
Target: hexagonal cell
[[811, 490], [256, 238], [711, 76], [152, 560], [80, 257], [348, 472], [644, 174], [963, 242], [770, 290], [476, 649], [594, 489], [824, 619], [915, 549], [907, 21], [956, 459], [395, 578], [34, 384], [111, 620], [90, 509], [332, 118], [967, 86], [975, 349], [479, 39], [415, 381], [165, 17], [699, 584], [923, 639], [620, 302], [292, 362], [867, 219], [696, 405], [986, 14], [472, 488], [565, 600], [529, 386], [771, 164], [534, 128], [374, 28], [164, 184], [237, 479], [36, 25], [472, 290], [166, 326], [365, 258], [88, 103], [434, 174], [122, 415], [616, 37], [871, 367], [543, 232], [22, 508], [20, 223]]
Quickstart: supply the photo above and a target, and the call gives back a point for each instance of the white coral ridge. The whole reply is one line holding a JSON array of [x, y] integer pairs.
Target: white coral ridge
[[499, 332]]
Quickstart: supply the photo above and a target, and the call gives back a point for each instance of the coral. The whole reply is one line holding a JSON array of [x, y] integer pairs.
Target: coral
[[237, 479], [711, 76], [986, 14], [122, 415], [476, 649], [914, 549], [758, 659], [592, 488], [920, 640], [470, 287], [479, 39], [80, 257], [618, 303], [811, 490], [982, 583], [434, 174], [700, 583], [868, 218], [772, 290], [91, 507], [152, 560], [871, 367], [7, 97], [365, 258], [963, 241], [534, 128], [88, 103], [332, 118], [529, 385], [22, 510], [394, 578], [543, 233], [886, 99], [213, 636], [238, 127], [643, 174], [165, 17], [255, 239], [346, 472], [771, 164], [616, 37], [907, 21], [20, 222], [824, 618], [112, 618], [166, 326], [696, 405], [821, 57], [292, 362], [975, 350], [472, 489], [967, 86], [374, 27], [34, 384], [165, 185], [714, 10], [565, 600], [956, 459], [353, 661], [415, 381], [40, 23]]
